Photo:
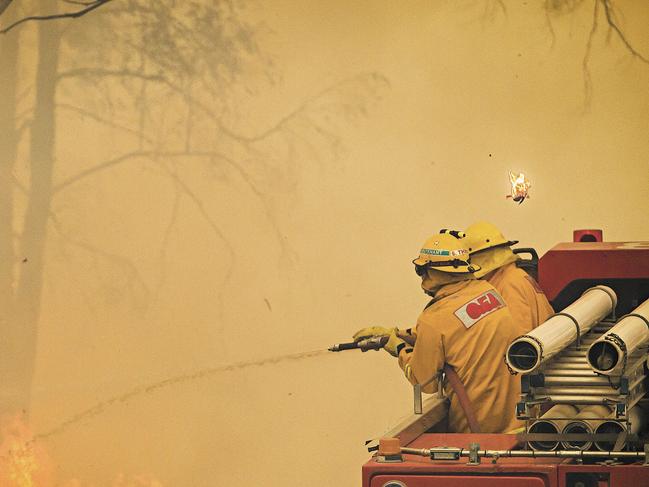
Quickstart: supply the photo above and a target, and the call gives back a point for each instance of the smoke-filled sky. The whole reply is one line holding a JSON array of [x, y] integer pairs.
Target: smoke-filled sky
[[192, 190]]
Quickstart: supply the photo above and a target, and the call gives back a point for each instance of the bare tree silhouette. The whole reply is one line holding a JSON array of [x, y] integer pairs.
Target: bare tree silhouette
[[86, 7], [175, 68], [602, 10], [22, 279], [9, 140]]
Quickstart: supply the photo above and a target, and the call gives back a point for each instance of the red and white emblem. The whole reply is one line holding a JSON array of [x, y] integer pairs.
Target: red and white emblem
[[478, 308]]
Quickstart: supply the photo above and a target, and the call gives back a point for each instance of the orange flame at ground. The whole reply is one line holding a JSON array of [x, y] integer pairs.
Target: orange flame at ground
[[121, 481], [520, 187], [136, 481], [24, 462]]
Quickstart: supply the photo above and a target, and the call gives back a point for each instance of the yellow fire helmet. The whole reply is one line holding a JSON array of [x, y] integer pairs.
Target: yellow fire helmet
[[444, 252], [484, 235]]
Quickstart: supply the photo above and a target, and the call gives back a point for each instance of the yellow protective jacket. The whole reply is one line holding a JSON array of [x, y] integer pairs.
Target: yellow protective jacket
[[526, 301], [469, 327]]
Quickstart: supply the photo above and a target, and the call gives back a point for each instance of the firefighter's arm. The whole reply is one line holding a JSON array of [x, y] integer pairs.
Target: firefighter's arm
[[422, 364], [409, 335], [395, 343], [371, 331]]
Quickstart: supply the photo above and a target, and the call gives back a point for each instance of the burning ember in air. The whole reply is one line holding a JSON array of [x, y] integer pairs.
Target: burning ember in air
[[520, 187]]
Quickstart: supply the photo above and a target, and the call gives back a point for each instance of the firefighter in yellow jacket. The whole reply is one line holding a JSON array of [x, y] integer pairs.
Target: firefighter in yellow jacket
[[467, 326], [491, 251]]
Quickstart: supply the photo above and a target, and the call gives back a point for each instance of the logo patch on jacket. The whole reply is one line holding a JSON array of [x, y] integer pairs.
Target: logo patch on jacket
[[478, 308]]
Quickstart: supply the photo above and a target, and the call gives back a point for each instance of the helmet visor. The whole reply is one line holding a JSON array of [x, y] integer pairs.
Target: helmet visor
[[455, 265]]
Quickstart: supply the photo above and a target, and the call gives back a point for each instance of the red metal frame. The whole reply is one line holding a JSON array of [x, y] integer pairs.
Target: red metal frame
[[567, 262], [560, 266], [416, 471]]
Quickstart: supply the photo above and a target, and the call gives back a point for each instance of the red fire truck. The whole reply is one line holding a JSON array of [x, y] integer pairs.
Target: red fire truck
[[418, 453]]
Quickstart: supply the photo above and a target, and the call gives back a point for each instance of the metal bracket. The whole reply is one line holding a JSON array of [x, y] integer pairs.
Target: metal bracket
[[537, 380], [388, 459], [521, 410], [417, 389], [624, 385], [417, 398], [445, 453], [495, 458], [474, 458]]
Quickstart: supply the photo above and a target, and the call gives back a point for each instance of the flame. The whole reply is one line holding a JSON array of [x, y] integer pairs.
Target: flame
[[121, 480], [25, 463], [520, 187], [136, 481]]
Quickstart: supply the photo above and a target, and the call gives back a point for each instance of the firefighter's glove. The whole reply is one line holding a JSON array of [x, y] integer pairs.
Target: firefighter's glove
[[371, 331], [394, 344]]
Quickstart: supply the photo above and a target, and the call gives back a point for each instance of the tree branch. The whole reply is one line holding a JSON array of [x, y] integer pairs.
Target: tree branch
[[68, 15], [181, 186], [184, 188], [99, 119], [210, 156], [588, 85], [198, 203], [102, 72], [548, 21], [100, 167], [4, 4], [162, 255], [120, 261], [243, 139], [150, 154], [281, 123], [76, 2], [608, 10]]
